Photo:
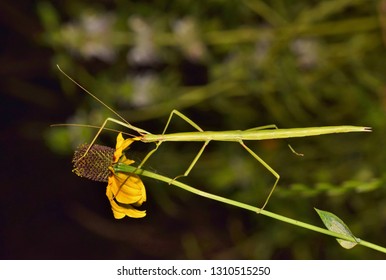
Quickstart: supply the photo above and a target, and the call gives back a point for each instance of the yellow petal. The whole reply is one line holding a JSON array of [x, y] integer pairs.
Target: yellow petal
[[128, 189], [125, 191], [124, 160], [109, 193], [120, 211], [121, 145]]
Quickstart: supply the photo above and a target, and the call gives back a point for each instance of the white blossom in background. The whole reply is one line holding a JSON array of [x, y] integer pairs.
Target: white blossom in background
[[143, 53], [189, 40], [144, 88], [307, 52], [91, 36], [144, 50]]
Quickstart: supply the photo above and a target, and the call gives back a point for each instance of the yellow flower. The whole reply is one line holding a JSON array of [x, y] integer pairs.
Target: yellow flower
[[125, 190]]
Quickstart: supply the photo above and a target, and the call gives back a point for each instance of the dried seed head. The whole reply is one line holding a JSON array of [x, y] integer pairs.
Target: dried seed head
[[95, 164]]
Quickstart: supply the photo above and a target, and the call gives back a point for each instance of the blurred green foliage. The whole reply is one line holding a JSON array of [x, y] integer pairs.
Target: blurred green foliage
[[235, 65]]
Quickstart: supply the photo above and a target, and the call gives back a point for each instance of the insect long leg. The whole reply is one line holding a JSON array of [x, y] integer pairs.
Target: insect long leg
[[200, 152], [139, 130], [182, 116], [193, 124], [185, 118], [266, 165]]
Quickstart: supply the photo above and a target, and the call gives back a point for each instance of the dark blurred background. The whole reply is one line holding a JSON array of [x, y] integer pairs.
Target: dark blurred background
[[226, 65]]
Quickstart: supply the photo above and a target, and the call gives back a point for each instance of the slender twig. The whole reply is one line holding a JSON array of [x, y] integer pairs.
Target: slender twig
[[132, 169]]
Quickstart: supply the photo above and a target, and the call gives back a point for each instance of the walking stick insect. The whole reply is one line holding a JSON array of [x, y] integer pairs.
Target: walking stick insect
[[240, 136]]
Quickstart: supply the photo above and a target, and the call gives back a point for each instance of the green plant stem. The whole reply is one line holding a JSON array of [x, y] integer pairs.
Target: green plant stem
[[120, 167], [248, 34]]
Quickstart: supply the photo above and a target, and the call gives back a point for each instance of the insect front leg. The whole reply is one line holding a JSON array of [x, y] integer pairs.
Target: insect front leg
[[103, 126], [97, 135]]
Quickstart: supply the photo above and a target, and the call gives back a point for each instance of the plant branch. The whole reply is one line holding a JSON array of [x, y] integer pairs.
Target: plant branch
[[132, 169]]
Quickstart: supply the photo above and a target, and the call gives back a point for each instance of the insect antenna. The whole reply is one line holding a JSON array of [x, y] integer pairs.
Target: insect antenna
[[92, 95]]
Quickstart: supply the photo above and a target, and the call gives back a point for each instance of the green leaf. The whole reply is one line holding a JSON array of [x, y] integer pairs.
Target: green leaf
[[48, 16], [333, 223]]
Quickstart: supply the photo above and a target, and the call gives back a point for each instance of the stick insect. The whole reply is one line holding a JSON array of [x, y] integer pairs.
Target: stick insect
[[240, 136]]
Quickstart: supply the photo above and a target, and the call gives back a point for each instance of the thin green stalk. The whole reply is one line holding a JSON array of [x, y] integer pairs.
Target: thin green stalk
[[120, 167]]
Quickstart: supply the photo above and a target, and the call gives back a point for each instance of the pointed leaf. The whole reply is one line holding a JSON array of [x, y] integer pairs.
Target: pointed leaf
[[333, 223]]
